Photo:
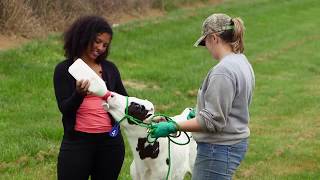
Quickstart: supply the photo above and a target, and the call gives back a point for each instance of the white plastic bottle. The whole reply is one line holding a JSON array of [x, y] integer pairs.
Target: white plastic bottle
[[81, 71]]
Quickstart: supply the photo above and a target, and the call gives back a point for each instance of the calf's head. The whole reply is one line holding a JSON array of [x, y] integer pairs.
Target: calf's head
[[116, 105]]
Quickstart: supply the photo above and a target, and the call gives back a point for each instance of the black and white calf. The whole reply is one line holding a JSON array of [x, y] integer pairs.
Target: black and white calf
[[150, 160]]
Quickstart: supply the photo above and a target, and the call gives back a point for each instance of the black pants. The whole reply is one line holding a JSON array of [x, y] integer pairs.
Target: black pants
[[97, 155]]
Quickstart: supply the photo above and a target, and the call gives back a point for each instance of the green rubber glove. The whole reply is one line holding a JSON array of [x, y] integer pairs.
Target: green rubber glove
[[163, 129], [191, 114]]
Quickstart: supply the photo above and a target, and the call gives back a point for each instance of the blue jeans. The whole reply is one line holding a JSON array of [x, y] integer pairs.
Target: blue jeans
[[215, 162]]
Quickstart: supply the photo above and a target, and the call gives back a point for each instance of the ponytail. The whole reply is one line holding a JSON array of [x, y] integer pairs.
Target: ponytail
[[237, 40]]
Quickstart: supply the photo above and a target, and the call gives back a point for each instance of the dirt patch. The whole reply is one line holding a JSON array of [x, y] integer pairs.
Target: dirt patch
[[125, 18], [140, 85], [196, 5], [193, 93], [8, 42], [134, 84]]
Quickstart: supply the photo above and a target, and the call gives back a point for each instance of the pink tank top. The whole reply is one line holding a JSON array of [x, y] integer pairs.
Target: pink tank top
[[91, 117]]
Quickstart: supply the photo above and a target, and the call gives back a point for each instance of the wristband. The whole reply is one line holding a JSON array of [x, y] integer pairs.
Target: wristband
[[106, 96]]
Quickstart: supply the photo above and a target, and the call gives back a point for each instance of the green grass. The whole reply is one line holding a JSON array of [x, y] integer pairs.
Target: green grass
[[157, 62]]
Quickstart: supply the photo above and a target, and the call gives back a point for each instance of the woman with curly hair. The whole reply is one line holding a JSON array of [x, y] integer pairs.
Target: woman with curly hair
[[87, 150]]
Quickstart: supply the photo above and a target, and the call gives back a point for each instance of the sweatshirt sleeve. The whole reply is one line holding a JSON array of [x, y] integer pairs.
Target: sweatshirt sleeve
[[68, 98], [218, 99]]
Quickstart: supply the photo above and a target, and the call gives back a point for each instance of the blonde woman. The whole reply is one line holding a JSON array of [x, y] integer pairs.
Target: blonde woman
[[221, 123]]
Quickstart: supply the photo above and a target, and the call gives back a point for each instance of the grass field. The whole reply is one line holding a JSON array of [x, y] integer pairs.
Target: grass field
[[157, 62]]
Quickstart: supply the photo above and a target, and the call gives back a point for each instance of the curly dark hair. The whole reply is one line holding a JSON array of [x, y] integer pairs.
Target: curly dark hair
[[82, 33]]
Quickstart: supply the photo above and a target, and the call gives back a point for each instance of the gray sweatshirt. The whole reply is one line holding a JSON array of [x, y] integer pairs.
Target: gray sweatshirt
[[223, 101]]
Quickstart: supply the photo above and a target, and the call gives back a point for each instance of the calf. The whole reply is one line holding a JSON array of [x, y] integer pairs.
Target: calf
[[150, 160]]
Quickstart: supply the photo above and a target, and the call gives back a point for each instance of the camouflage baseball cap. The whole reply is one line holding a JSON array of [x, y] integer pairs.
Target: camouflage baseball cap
[[216, 23]]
